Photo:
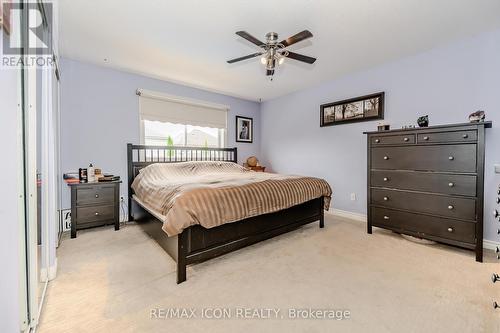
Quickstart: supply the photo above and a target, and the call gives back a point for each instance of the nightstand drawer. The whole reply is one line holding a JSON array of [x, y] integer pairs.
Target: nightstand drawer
[[95, 213], [95, 195]]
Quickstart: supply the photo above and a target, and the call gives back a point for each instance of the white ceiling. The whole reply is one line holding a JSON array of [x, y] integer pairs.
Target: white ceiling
[[189, 41]]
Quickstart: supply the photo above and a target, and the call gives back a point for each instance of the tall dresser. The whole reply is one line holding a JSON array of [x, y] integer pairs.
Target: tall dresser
[[428, 182]]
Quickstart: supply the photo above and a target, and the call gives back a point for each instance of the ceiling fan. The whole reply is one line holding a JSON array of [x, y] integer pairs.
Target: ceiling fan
[[275, 52]]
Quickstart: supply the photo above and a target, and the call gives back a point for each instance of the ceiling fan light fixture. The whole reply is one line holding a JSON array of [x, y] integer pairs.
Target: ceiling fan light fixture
[[273, 53], [271, 63]]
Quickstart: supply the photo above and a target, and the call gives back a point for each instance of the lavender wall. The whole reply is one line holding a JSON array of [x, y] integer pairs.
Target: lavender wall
[[100, 115], [447, 83]]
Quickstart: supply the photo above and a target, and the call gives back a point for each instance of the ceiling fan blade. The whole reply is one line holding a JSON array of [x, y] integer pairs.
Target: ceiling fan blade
[[245, 57], [297, 38], [269, 72], [250, 38], [300, 57]]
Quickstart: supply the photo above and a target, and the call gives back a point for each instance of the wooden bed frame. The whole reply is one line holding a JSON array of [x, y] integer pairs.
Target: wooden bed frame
[[196, 243]]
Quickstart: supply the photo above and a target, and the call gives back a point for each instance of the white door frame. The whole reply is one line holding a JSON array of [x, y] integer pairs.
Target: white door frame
[[31, 191]]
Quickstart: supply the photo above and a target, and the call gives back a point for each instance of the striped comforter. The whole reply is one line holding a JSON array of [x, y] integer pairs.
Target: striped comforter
[[214, 193]]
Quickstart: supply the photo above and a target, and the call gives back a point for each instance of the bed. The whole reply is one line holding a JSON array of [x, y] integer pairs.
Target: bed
[[197, 203]]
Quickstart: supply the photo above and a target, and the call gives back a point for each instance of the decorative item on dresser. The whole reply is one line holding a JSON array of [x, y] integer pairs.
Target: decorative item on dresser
[[381, 126], [423, 121], [428, 183], [94, 204]]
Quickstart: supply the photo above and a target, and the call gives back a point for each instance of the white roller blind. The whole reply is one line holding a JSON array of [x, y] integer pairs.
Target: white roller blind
[[160, 107]]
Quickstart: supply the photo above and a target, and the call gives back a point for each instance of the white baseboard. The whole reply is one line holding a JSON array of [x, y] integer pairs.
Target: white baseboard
[[350, 215], [487, 244], [53, 271], [490, 245], [43, 274], [48, 274]]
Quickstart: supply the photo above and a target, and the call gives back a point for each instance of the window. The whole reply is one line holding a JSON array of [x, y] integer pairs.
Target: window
[[168, 120], [159, 133]]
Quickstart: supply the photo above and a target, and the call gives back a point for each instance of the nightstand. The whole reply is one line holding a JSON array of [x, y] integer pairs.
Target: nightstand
[[94, 204]]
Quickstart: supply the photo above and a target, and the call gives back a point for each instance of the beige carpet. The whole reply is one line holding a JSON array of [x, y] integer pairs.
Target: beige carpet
[[109, 281]]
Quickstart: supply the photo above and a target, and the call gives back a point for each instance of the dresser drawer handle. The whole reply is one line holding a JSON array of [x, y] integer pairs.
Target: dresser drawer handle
[[450, 207], [386, 158], [96, 214], [386, 217], [497, 250], [495, 305], [97, 195], [495, 277], [495, 213], [386, 198], [406, 139], [426, 138], [451, 158], [450, 229], [377, 140], [465, 136], [451, 184], [386, 179]]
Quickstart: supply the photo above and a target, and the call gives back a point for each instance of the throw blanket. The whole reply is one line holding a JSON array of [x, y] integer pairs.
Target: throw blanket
[[214, 193]]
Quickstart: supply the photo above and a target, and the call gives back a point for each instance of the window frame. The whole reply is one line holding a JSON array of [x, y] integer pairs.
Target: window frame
[[222, 134], [143, 93]]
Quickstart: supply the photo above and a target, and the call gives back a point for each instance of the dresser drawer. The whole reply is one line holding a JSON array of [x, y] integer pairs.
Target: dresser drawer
[[95, 195], [425, 181], [457, 158], [453, 207], [392, 139], [94, 214], [443, 137], [423, 225]]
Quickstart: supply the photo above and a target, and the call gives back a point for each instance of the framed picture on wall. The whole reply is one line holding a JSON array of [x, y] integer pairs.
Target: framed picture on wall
[[244, 129], [362, 108]]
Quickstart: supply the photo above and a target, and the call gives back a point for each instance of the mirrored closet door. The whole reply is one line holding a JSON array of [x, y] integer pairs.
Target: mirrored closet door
[[40, 120]]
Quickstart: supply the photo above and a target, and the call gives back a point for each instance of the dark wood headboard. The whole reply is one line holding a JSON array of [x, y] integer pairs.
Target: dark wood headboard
[[140, 156]]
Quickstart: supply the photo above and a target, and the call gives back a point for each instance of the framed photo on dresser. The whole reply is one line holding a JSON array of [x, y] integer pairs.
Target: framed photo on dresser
[[362, 108], [244, 129]]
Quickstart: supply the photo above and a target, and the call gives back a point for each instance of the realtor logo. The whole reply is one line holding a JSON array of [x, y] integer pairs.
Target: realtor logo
[[27, 34]]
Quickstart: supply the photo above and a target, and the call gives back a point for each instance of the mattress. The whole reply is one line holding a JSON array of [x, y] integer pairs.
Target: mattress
[[211, 193]]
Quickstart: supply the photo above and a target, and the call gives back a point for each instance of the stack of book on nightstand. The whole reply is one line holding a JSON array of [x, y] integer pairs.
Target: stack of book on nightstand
[[109, 178], [71, 177]]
